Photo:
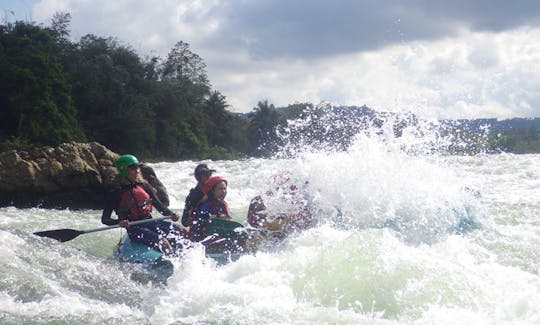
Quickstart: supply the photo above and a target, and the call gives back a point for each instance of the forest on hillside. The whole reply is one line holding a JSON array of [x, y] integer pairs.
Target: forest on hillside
[[54, 90]]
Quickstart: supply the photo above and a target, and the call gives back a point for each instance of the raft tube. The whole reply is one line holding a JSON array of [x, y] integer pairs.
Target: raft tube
[[129, 251], [158, 268]]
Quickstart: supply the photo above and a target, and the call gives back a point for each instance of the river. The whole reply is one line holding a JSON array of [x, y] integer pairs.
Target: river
[[401, 238]]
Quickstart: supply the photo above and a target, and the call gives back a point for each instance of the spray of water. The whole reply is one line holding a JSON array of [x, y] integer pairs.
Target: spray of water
[[379, 171]]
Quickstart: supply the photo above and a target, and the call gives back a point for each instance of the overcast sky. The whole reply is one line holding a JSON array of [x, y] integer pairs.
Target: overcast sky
[[446, 59]]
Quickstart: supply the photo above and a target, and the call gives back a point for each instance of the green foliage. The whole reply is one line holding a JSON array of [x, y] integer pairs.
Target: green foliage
[[519, 140], [218, 119], [262, 129], [184, 65], [15, 143], [238, 139], [34, 88], [109, 91]]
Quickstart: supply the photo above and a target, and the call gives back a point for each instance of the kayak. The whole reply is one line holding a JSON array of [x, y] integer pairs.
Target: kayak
[[133, 252], [224, 243], [158, 268], [129, 251]]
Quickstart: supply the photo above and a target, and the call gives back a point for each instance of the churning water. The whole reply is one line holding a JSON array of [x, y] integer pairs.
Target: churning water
[[404, 237]]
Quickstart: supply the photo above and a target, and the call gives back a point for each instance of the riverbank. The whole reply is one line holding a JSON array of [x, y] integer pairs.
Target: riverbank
[[72, 175]]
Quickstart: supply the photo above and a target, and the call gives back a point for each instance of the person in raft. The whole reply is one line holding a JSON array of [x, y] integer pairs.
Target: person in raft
[[283, 209], [196, 195], [133, 199], [214, 207]]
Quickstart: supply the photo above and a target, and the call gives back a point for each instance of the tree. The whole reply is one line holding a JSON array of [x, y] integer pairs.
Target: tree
[[60, 26], [238, 127], [217, 119], [179, 127], [180, 98], [184, 65], [262, 128], [53, 90], [35, 92], [112, 95]]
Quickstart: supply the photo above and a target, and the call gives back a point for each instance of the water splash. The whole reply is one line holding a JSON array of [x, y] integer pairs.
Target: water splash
[[380, 171]]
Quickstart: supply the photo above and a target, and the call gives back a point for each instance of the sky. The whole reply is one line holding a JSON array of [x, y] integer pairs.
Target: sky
[[438, 59]]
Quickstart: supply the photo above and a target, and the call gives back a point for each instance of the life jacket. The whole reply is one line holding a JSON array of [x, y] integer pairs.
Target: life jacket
[[135, 203], [216, 210], [211, 210], [219, 210]]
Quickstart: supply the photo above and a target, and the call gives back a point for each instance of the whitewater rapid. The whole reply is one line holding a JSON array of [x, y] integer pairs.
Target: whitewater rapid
[[401, 239]]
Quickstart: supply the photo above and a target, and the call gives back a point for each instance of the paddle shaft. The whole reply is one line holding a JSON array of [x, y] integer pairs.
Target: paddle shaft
[[64, 235], [131, 223]]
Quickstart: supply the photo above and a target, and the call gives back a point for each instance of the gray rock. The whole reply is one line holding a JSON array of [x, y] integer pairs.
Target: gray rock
[[72, 175]]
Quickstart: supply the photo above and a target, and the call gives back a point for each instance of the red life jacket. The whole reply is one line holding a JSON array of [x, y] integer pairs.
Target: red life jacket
[[135, 203], [219, 210]]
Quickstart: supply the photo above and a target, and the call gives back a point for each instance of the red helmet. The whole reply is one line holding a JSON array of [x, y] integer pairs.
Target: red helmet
[[211, 183]]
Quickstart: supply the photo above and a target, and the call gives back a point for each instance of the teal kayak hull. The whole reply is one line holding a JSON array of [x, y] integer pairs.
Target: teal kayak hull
[[128, 251], [132, 252], [157, 269], [223, 250]]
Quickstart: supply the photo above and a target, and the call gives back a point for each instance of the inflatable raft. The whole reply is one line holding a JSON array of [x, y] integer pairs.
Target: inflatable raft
[[224, 243]]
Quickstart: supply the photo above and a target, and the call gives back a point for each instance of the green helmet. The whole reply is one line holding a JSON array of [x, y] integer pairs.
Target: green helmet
[[123, 162]]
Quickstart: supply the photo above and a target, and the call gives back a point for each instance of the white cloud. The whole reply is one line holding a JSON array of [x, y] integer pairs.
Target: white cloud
[[431, 78], [434, 67]]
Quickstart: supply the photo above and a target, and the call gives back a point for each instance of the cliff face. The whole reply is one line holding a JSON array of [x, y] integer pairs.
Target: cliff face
[[72, 175]]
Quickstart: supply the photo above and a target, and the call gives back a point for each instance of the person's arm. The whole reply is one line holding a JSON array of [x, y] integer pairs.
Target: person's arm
[[111, 201], [188, 207], [158, 204]]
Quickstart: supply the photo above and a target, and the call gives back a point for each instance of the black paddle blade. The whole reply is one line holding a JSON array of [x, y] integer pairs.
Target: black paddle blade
[[60, 234]]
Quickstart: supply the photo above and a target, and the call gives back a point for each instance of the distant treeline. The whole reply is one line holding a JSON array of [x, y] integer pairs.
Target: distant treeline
[[54, 90], [517, 135]]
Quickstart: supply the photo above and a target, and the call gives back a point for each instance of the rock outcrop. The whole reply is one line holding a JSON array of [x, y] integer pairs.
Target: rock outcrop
[[72, 175]]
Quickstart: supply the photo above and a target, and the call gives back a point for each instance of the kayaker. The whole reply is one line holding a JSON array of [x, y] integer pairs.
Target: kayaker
[[133, 199], [196, 195], [214, 207], [289, 207], [258, 217]]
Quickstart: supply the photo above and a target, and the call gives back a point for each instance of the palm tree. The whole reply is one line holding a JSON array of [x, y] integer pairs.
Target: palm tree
[[262, 128]]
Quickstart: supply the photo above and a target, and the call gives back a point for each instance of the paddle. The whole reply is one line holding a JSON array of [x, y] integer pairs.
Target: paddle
[[224, 228], [64, 235], [224, 236]]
